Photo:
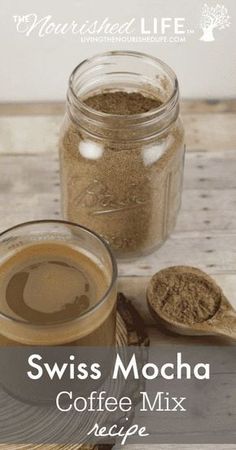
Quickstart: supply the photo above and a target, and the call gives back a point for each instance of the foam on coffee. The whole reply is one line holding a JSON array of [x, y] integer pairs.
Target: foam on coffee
[[49, 284]]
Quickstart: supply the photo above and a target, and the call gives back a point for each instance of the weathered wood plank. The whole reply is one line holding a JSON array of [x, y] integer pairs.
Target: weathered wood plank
[[57, 108], [210, 170], [210, 132], [213, 253], [194, 199], [206, 230], [32, 109], [141, 447], [27, 134], [212, 106], [176, 447]]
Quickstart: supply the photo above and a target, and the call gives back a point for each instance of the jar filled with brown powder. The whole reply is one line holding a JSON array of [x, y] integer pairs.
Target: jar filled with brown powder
[[122, 150]]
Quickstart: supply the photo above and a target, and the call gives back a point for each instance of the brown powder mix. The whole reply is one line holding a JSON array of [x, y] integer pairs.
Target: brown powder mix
[[184, 295], [122, 103], [130, 194]]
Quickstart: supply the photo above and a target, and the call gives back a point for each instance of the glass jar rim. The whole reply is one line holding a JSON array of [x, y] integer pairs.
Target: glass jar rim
[[155, 112], [100, 301]]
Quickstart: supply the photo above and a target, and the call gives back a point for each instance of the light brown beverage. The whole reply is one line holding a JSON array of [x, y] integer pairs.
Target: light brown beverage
[[51, 293]]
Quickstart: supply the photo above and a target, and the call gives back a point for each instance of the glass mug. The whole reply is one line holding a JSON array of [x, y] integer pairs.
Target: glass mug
[[58, 286]]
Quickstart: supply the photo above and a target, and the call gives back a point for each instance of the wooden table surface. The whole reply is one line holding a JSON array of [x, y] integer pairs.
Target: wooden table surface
[[205, 235]]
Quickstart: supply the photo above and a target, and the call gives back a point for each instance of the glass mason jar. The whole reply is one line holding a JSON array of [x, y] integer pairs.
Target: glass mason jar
[[121, 175]]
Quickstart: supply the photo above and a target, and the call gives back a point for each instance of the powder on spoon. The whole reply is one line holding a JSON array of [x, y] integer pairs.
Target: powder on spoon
[[184, 295]]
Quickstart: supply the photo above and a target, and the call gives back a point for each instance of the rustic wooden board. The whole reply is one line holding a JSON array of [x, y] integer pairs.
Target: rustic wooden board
[[205, 235], [209, 125], [206, 229], [201, 106], [183, 447]]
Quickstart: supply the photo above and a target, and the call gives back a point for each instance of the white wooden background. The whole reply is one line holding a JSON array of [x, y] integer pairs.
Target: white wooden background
[[205, 235]]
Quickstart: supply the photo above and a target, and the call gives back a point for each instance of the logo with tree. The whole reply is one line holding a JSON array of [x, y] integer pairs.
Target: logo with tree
[[213, 17]]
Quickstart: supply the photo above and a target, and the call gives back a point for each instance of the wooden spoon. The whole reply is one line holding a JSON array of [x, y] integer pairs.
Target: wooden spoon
[[219, 319]]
